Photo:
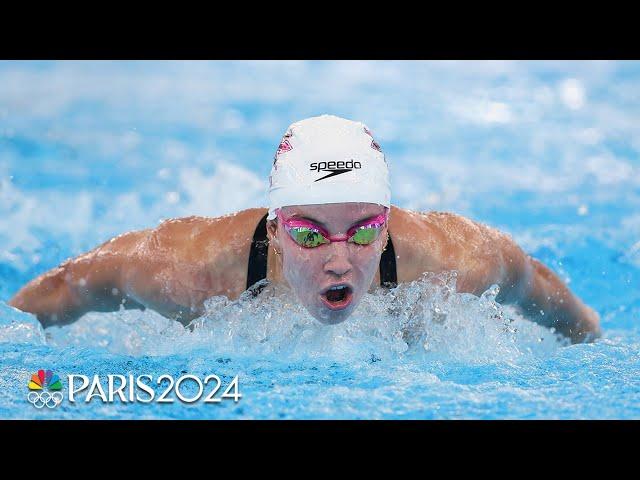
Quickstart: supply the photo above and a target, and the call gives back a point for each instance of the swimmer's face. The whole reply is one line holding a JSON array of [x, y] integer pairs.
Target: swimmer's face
[[311, 272]]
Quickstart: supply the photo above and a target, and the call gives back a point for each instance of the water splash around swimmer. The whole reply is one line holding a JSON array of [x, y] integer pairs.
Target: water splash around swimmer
[[423, 320]]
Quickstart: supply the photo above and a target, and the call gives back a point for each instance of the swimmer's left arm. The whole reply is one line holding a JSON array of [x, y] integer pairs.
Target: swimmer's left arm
[[537, 291], [487, 256], [548, 301]]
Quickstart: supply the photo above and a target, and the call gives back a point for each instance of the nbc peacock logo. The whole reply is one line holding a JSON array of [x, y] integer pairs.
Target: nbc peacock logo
[[44, 389]]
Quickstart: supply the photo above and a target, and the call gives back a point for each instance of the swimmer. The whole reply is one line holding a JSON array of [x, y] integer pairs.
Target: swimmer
[[330, 235]]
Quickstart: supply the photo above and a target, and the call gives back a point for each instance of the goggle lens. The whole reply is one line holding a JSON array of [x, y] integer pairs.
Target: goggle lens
[[307, 237], [310, 238], [366, 234]]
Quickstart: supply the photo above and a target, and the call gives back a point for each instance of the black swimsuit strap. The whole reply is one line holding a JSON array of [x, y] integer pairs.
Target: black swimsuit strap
[[388, 275], [258, 255], [257, 269]]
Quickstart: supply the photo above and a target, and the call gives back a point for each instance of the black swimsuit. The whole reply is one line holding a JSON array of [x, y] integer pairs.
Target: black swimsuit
[[257, 269]]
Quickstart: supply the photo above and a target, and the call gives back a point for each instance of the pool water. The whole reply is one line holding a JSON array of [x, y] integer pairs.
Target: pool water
[[545, 151]]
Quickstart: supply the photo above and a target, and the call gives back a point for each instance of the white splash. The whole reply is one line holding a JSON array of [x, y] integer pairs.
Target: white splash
[[422, 319], [19, 327]]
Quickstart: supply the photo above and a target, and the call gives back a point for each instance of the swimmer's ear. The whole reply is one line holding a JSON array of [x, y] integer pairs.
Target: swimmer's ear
[[385, 232], [272, 233]]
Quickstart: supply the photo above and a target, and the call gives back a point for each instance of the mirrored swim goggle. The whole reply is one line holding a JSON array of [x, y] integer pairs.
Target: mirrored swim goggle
[[309, 235]]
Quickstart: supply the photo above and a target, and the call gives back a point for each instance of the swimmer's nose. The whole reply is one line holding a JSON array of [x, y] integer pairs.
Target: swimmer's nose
[[338, 262]]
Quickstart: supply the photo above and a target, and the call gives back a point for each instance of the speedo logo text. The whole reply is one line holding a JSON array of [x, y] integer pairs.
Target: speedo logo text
[[334, 168]]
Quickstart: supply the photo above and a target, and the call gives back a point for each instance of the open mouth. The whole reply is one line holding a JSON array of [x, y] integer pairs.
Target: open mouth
[[337, 297]]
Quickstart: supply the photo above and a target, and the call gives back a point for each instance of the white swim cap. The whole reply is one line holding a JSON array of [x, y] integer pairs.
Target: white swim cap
[[328, 159]]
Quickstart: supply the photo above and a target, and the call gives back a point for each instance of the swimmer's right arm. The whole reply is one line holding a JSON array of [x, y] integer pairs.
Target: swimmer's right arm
[[171, 269], [90, 282]]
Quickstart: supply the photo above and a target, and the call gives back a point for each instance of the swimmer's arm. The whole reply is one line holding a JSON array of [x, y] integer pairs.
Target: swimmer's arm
[[90, 282], [489, 257], [538, 292], [547, 300]]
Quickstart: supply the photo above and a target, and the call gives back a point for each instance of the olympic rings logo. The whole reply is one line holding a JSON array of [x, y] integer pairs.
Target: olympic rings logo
[[44, 389], [42, 399]]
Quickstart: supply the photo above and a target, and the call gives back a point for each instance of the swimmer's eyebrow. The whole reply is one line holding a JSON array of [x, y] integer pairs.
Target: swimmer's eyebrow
[[309, 219], [364, 219]]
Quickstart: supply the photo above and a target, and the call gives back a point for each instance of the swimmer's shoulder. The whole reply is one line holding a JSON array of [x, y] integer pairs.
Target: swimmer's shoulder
[[420, 226], [198, 257], [418, 240], [199, 237], [438, 241], [443, 241], [441, 226]]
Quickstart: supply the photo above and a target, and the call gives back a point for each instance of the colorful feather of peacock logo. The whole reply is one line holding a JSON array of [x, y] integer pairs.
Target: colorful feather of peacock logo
[[45, 379]]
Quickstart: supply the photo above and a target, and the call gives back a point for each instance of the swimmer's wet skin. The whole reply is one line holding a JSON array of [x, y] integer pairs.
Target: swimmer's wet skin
[[176, 266]]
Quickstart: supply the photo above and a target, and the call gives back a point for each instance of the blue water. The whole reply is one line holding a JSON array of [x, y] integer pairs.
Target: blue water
[[546, 151]]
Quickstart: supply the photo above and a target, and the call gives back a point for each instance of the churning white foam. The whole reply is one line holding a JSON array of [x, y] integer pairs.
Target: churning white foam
[[426, 319]]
